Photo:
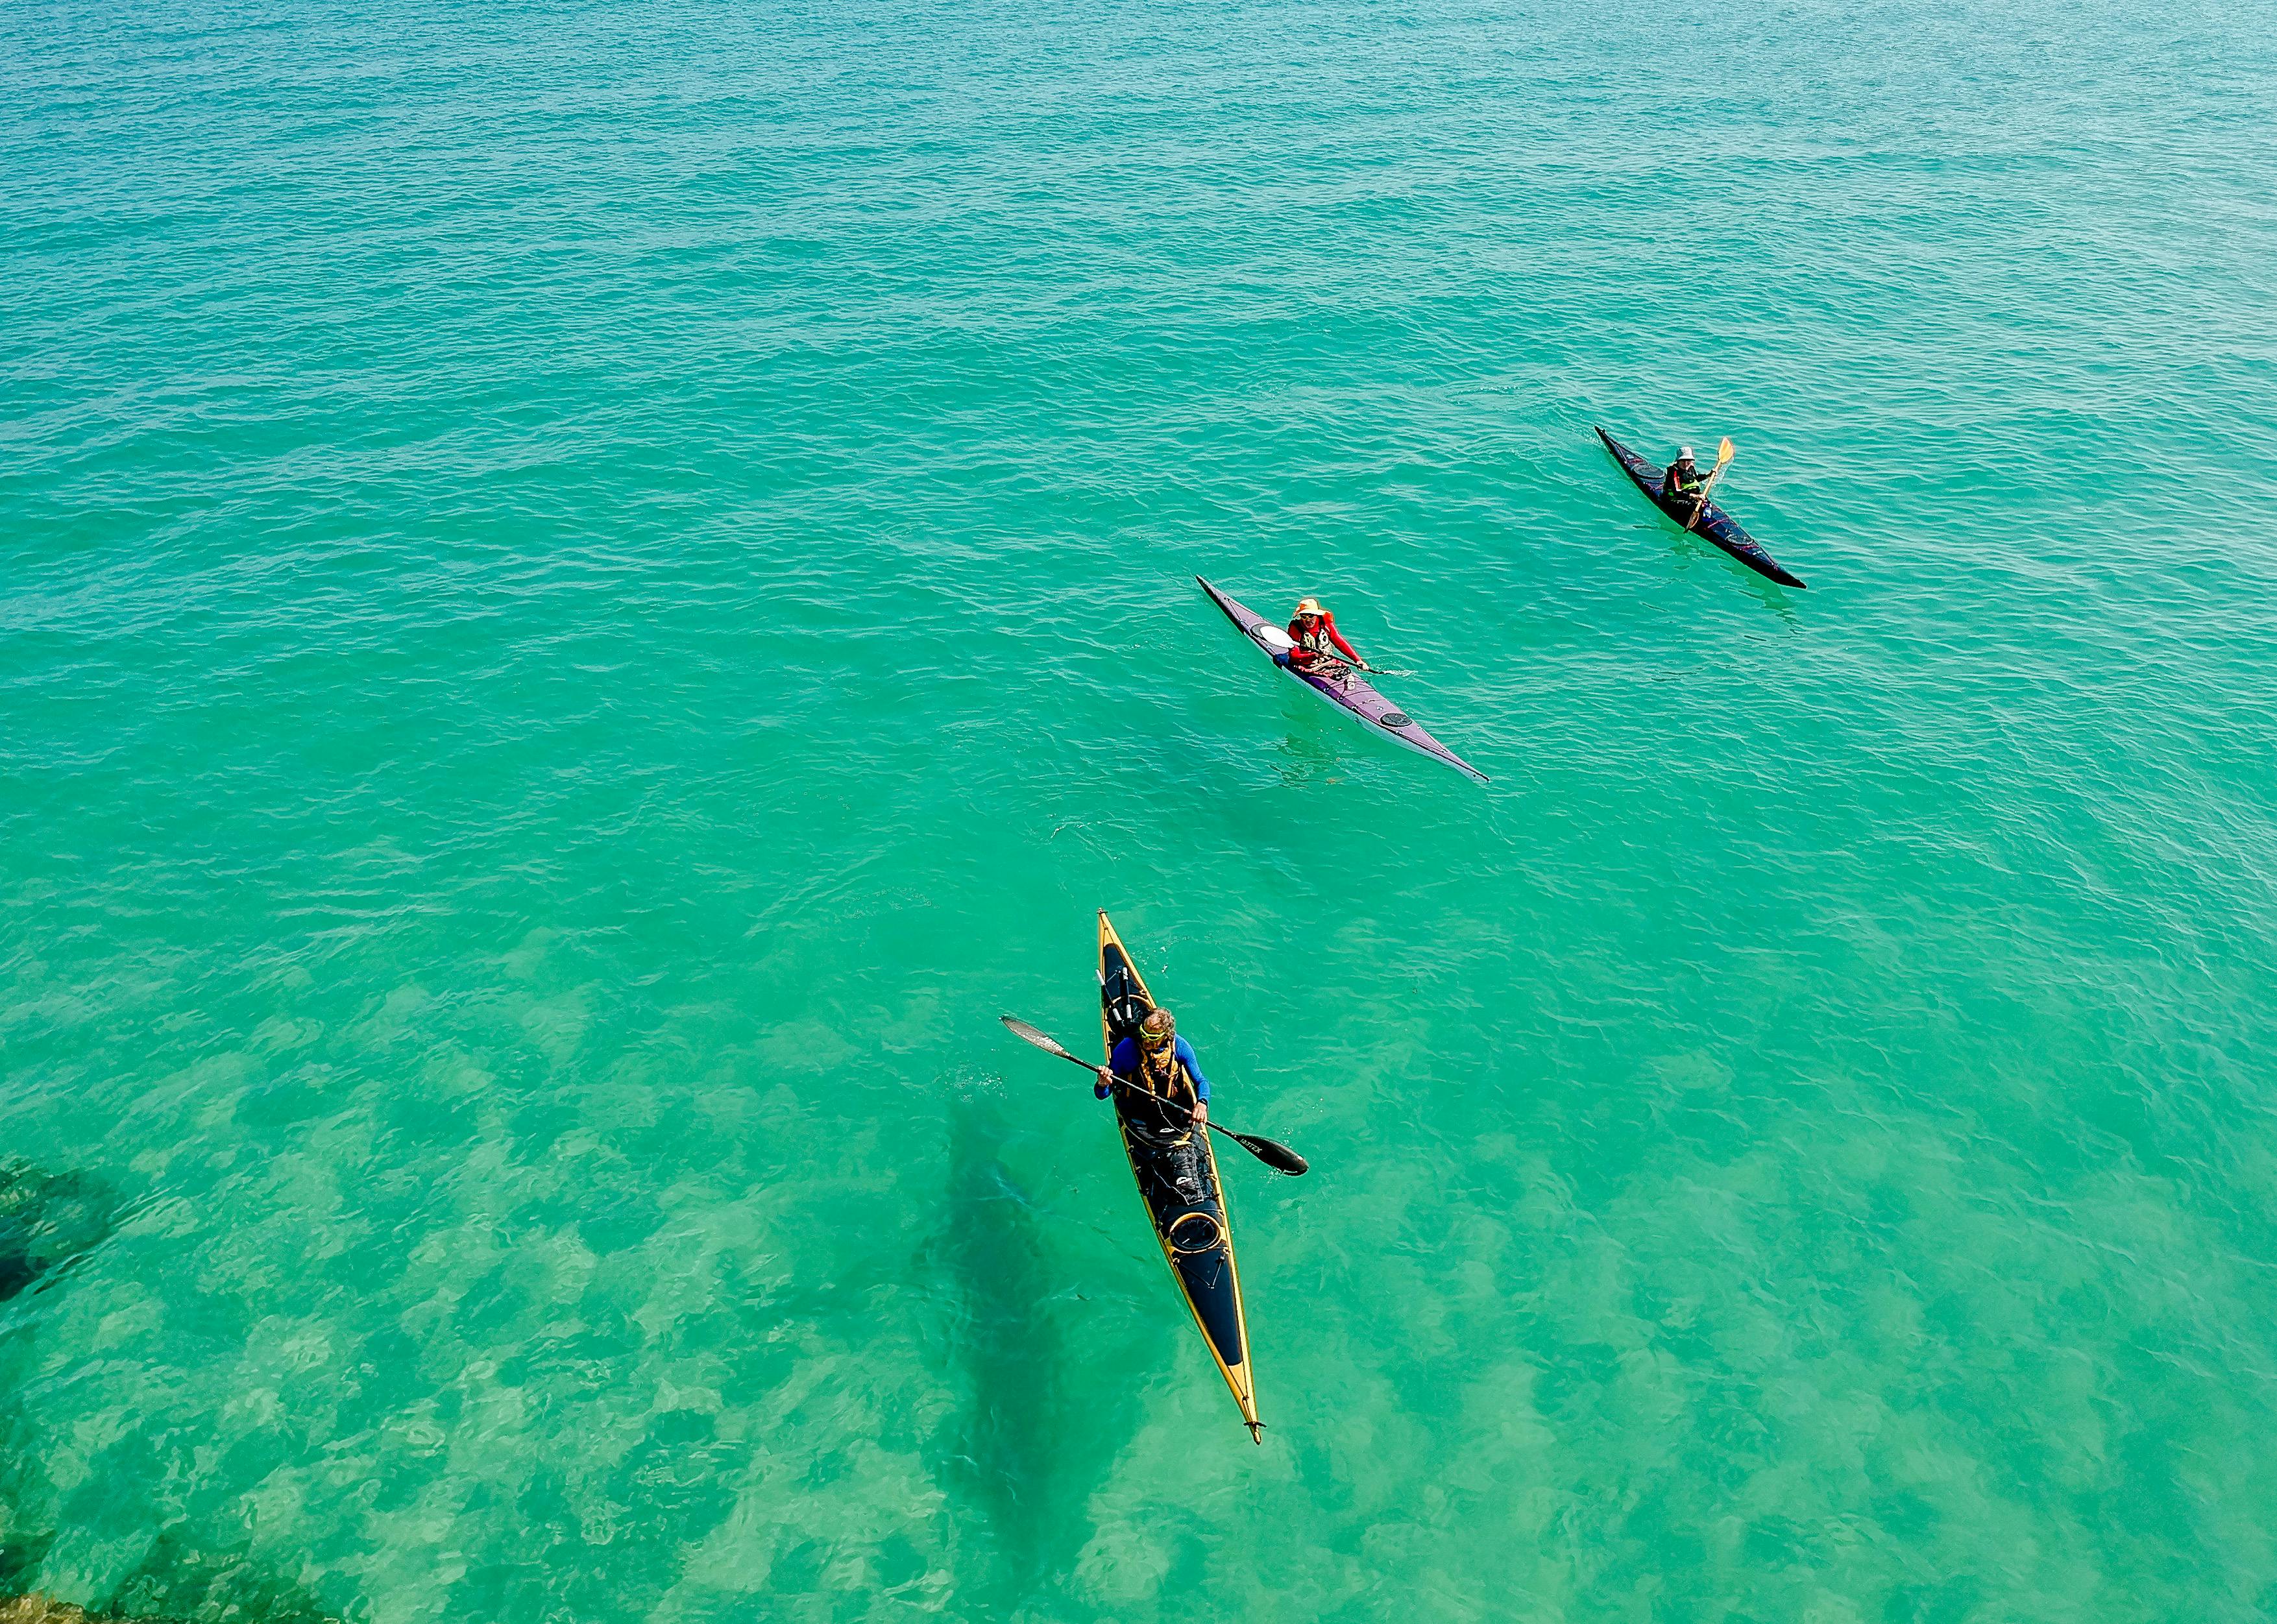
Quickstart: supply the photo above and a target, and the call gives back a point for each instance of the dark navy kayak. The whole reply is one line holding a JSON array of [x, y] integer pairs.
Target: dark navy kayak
[[1341, 686], [1714, 525], [1177, 1180]]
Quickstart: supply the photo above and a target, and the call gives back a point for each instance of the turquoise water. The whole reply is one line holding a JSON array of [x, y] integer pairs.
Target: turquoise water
[[586, 596]]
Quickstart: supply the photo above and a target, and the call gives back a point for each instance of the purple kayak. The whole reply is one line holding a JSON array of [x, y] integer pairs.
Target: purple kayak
[[1341, 686]]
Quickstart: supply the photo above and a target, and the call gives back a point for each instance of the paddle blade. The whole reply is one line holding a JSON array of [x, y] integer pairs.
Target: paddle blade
[[1725, 451], [1279, 1157], [1026, 1033]]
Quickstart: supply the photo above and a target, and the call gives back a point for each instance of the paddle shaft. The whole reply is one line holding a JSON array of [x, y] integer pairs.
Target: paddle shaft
[[1359, 665], [1273, 1153], [1723, 455], [1187, 1111], [1275, 640]]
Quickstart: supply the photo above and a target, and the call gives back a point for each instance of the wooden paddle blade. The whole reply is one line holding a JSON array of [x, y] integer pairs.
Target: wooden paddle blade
[[1279, 1157], [1725, 451]]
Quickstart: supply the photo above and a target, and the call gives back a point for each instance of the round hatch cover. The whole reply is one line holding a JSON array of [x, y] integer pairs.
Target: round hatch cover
[[1194, 1233], [1393, 719]]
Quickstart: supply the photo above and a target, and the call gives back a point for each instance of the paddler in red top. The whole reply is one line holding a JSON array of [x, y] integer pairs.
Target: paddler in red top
[[1313, 636]]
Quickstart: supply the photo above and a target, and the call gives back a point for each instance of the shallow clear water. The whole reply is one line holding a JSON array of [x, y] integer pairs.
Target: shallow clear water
[[586, 596]]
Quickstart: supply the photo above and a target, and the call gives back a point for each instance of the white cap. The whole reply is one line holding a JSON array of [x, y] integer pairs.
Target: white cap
[[1684, 453]]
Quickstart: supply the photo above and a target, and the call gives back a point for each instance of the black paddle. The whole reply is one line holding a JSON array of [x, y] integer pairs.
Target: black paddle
[[1279, 1157], [1363, 665]]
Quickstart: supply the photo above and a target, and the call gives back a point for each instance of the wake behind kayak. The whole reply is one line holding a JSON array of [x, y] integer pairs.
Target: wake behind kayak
[[1715, 523], [1341, 686]]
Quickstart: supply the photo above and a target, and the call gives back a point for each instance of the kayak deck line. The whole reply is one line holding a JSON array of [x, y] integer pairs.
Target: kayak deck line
[[1718, 527], [1176, 1171], [1347, 689]]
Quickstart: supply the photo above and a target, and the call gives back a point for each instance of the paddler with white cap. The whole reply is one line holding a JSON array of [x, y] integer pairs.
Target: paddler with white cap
[[1684, 479]]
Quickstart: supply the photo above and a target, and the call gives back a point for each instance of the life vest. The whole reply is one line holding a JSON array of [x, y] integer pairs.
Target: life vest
[[1316, 640], [1170, 1079]]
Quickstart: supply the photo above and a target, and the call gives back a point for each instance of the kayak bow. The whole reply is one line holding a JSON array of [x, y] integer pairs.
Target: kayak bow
[[1348, 690], [1713, 523], [1177, 1180]]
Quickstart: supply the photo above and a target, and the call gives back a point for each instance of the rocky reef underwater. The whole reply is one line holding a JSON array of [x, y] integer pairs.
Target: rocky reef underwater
[[48, 1223], [51, 1222]]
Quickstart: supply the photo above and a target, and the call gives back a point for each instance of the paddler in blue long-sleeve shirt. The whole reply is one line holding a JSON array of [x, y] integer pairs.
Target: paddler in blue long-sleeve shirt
[[1156, 1060]]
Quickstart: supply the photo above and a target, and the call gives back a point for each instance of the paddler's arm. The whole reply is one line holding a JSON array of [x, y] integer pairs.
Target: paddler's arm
[[1201, 1084], [1118, 1069], [1337, 637]]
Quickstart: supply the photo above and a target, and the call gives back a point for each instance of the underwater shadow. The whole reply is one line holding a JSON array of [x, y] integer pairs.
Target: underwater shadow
[[176, 1583], [1014, 1446], [48, 1223]]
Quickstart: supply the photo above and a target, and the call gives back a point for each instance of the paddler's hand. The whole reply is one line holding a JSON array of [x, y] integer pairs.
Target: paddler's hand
[[1105, 1086], [1201, 1112]]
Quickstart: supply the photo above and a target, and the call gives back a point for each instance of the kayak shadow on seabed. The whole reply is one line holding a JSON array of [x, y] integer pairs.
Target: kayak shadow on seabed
[[1690, 551], [1318, 748], [1006, 1323], [1312, 759]]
